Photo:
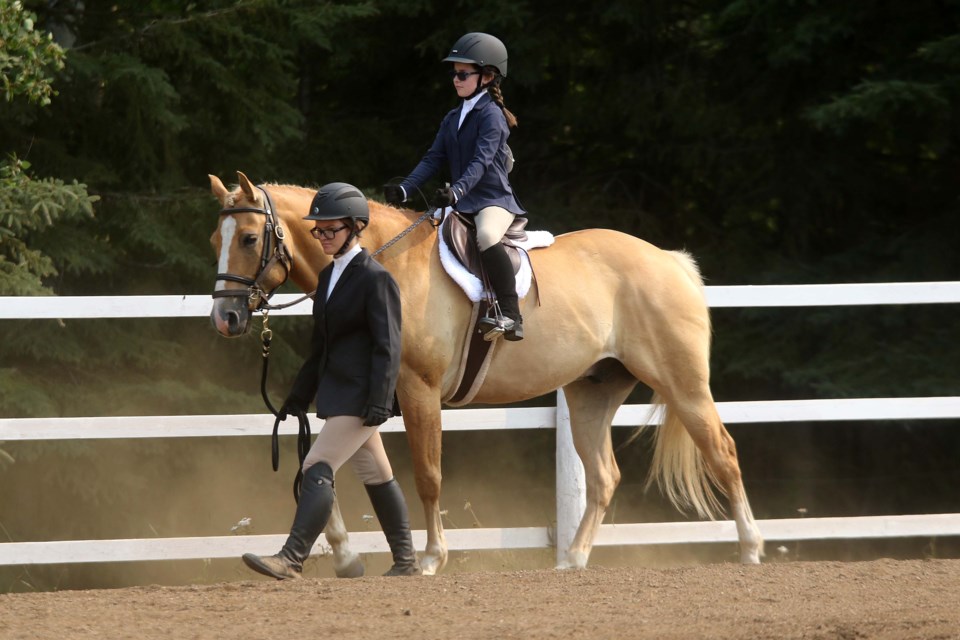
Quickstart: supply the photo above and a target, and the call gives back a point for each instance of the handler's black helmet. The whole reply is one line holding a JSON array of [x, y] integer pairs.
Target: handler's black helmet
[[482, 49], [339, 200]]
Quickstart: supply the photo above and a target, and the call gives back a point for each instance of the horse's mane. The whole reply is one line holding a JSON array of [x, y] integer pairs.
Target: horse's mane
[[235, 191]]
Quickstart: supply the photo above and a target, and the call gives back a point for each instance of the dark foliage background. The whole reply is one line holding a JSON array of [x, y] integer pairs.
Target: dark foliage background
[[779, 142]]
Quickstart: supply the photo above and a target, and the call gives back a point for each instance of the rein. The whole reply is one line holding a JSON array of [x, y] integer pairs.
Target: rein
[[265, 305]]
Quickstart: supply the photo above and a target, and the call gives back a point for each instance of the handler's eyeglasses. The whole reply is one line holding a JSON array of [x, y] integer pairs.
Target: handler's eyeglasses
[[329, 233], [463, 75]]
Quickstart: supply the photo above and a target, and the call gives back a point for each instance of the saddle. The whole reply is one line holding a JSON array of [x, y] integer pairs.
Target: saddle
[[460, 257], [460, 235]]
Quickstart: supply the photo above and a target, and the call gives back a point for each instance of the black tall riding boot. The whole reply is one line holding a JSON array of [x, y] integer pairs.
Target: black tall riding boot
[[391, 509], [499, 270], [313, 512]]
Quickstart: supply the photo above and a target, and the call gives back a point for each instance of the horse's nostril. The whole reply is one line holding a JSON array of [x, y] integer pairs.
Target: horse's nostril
[[233, 321]]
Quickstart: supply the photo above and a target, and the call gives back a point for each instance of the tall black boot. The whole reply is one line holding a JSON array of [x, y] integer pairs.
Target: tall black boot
[[391, 509], [313, 512], [499, 271]]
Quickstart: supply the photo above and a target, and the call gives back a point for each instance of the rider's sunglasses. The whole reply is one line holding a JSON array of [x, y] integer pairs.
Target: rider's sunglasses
[[329, 233], [463, 75]]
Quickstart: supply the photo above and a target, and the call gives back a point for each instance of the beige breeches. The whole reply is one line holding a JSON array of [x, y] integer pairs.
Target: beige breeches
[[492, 223], [344, 438]]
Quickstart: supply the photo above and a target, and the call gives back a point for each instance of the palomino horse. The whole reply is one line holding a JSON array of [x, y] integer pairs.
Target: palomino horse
[[612, 310]]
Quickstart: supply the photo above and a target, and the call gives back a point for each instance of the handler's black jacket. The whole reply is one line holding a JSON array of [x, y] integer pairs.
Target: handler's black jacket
[[355, 351]]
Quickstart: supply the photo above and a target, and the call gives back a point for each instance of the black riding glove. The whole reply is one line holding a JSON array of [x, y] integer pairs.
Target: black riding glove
[[393, 194], [374, 416], [444, 198], [291, 406]]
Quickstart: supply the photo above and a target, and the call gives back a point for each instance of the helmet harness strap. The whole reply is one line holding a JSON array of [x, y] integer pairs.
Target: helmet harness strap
[[354, 233]]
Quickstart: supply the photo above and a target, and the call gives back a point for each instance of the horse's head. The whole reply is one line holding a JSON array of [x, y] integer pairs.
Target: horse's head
[[253, 258]]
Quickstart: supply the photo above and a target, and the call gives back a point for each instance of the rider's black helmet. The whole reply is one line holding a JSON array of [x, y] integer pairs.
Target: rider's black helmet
[[339, 200], [481, 49]]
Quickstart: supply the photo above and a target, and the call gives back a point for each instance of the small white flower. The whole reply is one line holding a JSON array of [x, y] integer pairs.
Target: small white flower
[[242, 526]]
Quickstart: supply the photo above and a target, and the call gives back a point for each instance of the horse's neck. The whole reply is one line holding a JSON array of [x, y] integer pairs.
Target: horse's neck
[[408, 258], [292, 204]]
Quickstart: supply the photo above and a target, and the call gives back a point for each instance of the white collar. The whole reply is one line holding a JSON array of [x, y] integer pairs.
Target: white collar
[[468, 106], [340, 265], [340, 262]]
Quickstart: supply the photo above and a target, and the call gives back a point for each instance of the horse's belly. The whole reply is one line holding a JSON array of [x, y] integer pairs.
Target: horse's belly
[[520, 371]]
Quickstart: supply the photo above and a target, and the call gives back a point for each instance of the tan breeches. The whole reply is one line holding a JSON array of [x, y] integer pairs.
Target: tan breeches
[[344, 438], [492, 223]]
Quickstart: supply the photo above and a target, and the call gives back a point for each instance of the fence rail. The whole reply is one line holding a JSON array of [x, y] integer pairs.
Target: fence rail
[[570, 488], [198, 306]]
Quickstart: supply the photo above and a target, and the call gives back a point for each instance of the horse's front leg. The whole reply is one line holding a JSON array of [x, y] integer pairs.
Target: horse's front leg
[[592, 407], [346, 563], [420, 403]]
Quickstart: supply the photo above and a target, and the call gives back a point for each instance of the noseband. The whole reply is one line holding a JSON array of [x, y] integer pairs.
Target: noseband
[[274, 252]]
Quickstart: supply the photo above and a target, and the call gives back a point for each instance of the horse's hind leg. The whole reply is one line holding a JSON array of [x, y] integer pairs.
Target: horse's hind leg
[[346, 563], [592, 405], [698, 413]]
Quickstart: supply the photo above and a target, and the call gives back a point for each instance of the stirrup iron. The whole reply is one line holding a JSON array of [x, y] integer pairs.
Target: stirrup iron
[[494, 324]]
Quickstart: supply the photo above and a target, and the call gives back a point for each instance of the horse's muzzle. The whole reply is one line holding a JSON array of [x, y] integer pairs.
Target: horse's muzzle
[[230, 316]]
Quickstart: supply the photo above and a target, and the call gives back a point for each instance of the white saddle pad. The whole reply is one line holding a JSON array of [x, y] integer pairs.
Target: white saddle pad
[[471, 284]]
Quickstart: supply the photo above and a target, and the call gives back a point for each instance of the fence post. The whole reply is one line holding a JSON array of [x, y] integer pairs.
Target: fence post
[[571, 483]]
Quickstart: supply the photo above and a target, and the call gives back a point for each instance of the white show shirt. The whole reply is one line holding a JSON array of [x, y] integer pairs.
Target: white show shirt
[[468, 106], [339, 264]]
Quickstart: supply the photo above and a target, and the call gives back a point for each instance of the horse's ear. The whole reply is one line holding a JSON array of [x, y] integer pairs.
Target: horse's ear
[[246, 186], [218, 190]]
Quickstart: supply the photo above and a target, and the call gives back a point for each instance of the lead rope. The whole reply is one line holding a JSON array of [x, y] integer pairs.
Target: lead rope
[[303, 435]]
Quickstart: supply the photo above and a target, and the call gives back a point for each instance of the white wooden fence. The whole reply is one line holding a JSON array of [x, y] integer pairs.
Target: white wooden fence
[[570, 483]]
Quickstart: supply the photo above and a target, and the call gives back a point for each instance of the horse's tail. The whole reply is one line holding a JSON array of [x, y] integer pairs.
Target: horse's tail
[[678, 467]]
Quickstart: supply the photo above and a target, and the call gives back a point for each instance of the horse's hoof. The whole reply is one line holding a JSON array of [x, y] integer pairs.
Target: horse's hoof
[[575, 560], [429, 566], [352, 569]]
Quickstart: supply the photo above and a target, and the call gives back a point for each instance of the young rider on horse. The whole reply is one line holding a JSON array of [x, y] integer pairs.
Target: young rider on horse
[[351, 374], [473, 140]]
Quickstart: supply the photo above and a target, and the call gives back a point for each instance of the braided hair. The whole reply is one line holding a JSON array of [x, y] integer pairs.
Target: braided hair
[[494, 89]]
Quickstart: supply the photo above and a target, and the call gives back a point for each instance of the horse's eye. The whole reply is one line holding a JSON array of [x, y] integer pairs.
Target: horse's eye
[[249, 239]]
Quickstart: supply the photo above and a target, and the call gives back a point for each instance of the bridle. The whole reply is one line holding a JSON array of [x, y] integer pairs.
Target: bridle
[[274, 252]]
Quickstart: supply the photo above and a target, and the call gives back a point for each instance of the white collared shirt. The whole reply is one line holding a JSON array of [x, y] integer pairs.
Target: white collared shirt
[[468, 106], [339, 264]]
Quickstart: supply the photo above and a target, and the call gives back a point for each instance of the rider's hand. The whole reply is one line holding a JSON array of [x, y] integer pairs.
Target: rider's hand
[[374, 416], [393, 194], [291, 406], [444, 197]]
